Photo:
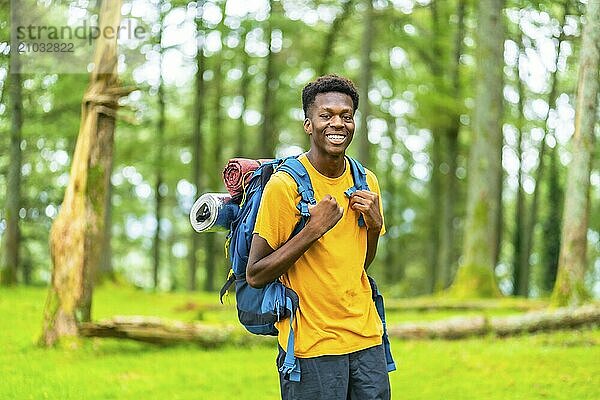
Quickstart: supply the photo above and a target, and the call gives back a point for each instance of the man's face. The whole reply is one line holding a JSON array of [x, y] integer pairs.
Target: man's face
[[330, 123]]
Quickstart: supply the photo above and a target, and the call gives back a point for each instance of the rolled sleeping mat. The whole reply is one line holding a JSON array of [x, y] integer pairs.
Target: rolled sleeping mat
[[213, 212]]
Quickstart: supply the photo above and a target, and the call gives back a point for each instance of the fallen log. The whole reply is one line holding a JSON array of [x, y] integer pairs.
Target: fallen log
[[561, 318], [445, 304], [163, 332], [462, 327]]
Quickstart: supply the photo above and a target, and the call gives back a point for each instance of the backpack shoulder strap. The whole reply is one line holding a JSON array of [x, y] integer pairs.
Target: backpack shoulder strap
[[359, 175], [296, 170]]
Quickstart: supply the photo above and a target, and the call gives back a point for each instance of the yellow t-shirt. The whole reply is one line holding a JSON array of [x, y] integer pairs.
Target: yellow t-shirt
[[337, 314]]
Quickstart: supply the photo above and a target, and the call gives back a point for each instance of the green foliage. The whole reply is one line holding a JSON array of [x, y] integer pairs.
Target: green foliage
[[412, 100]]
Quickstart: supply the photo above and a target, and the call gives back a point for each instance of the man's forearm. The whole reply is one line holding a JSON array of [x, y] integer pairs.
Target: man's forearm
[[262, 270], [372, 241]]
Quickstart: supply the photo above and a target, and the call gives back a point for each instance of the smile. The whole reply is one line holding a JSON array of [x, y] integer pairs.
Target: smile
[[336, 138]]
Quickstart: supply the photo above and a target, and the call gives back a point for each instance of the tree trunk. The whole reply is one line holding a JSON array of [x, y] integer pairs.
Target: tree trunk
[[160, 134], [11, 245], [437, 153], [330, 39], [435, 211], [448, 239], [366, 75], [428, 304], [78, 229], [105, 268], [198, 158], [551, 225], [464, 327], [156, 331], [532, 219], [391, 272], [213, 257], [445, 151], [268, 143], [244, 93], [475, 276], [570, 287], [520, 261]]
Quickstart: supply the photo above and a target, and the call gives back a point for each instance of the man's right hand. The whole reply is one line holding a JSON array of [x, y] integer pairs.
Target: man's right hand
[[324, 215]]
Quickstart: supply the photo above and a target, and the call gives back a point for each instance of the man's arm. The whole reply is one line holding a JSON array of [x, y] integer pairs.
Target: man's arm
[[367, 203], [266, 264], [372, 241]]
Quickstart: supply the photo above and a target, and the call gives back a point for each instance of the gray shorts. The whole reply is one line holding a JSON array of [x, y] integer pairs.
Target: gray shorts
[[361, 375]]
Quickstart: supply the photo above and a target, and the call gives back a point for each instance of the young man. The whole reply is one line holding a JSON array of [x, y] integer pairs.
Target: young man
[[338, 331]]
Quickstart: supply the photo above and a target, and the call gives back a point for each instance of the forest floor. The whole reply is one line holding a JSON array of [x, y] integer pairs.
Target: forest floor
[[560, 365]]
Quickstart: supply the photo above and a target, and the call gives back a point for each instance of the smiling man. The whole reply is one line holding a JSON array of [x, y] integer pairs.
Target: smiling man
[[338, 331]]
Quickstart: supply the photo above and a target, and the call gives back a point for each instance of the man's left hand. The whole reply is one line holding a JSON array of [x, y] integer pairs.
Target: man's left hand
[[367, 203]]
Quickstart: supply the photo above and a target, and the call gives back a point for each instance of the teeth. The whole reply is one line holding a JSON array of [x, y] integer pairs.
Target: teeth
[[336, 137]]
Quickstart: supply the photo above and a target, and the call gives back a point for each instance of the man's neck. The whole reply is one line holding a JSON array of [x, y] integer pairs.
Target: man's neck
[[330, 166]]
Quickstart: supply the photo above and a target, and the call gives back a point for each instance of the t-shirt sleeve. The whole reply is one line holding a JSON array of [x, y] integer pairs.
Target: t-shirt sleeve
[[277, 214], [374, 187]]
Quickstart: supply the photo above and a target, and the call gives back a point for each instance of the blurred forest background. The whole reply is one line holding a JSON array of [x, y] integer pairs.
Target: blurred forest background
[[219, 79]]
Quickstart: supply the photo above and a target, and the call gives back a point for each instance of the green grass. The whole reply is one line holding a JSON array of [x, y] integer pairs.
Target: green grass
[[561, 365]]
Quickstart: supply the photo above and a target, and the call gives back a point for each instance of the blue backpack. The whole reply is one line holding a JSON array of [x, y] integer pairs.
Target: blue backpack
[[259, 309]]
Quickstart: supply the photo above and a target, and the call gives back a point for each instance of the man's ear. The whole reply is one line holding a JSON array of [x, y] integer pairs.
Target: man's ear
[[307, 126]]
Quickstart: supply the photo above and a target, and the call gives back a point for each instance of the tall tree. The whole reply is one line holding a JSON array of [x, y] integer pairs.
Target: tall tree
[[444, 65], [570, 287], [450, 137], [528, 220], [78, 229], [520, 268], [549, 255], [435, 182], [241, 145], [11, 243], [332, 35], [198, 151], [217, 125], [158, 161], [366, 76], [268, 132], [212, 255], [394, 271], [475, 276]]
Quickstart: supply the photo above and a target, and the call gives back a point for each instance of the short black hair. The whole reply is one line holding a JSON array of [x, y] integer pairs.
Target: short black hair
[[326, 84]]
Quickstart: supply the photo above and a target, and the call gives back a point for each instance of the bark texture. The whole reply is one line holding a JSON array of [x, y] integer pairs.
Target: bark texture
[[570, 287], [78, 229], [475, 276]]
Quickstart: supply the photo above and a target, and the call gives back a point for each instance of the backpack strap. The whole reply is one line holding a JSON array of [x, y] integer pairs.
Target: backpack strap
[[296, 170], [378, 300], [359, 176], [281, 298]]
